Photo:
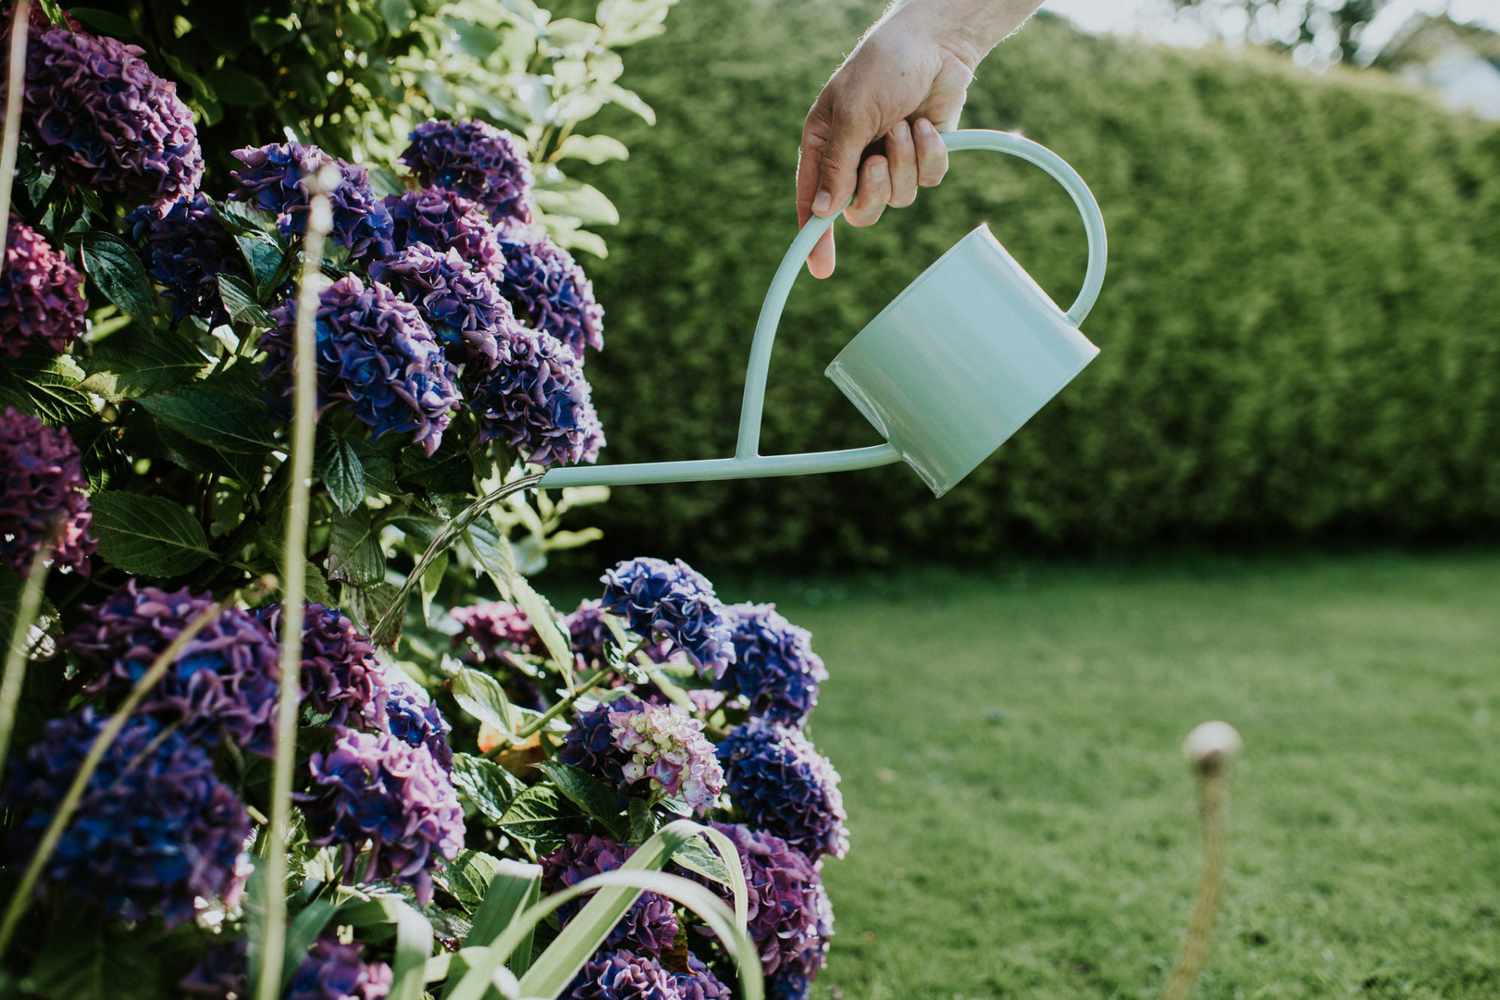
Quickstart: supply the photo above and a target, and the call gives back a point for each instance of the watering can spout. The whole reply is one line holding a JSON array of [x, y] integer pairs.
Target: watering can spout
[[945, 374]]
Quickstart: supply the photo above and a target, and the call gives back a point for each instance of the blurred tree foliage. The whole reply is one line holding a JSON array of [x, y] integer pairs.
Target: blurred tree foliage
[[1323, 30], [353, 76], [1300, 327]]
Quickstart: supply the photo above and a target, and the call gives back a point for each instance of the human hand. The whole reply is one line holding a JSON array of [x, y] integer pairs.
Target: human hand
[[871, 138]]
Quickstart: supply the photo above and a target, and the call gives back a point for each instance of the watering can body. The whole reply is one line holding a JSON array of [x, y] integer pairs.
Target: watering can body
[[946, 373]]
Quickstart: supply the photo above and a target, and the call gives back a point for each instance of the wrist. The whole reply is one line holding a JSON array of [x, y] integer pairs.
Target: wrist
[[968, 29]]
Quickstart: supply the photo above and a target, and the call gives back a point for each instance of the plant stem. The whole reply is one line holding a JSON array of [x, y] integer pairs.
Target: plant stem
[[21, 900], [385, 625], [541, 721], [1213, 806], [27, 606], [293, 584], [15, 85]]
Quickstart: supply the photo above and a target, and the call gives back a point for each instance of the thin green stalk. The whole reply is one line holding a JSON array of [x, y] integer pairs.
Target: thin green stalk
[[15, 84], [163, 662], [385, 625], [540, 722], [293, 582], [27, 607]]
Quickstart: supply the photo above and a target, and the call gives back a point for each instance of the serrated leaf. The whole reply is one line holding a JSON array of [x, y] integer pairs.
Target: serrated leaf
[[117, 272], [142, 362], [93, 964], [467, 877], [46, 385], [485, 786], [544, 620], [593, 148], [263, 257], [354, 552], [222, 420], [696, 856], [537, 820], [482, 697], [342, 472], [239, 301], [597, 800], [493, 553], [147, 536]]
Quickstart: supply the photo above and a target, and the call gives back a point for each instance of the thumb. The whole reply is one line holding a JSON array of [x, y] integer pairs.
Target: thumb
[[838, 166]]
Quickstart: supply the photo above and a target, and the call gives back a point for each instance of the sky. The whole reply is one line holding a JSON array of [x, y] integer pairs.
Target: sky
[[1154, 17]]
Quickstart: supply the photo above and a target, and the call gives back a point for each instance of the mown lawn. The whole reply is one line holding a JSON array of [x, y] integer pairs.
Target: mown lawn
[[1024, 825]]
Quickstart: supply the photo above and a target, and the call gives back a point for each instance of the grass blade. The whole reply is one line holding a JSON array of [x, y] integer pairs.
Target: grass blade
[[16, 655]]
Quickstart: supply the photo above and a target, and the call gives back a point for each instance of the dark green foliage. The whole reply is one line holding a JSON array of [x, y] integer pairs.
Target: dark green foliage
[[1300, 328]]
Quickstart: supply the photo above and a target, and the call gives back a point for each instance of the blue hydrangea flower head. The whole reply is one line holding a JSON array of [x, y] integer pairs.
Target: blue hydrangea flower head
[[155, 829], [97, 115], [375, 791], [537, 401], [650, 925], [646, 750], [376, 355], [44, 498], [460, 303], [780, 783], [700, 983], [774, 666], [185, 249], [474, 159], [445, 221], [415, 720], [340, 676], [622, 975], [225, 683], [271, 178], [672, 603], [41, 295], [790, 919], [549, 290]]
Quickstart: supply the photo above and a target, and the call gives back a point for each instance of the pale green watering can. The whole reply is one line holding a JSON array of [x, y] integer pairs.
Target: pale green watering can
[[946, 373]]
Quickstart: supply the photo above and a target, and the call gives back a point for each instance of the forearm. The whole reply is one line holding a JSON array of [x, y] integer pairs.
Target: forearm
[[971, 27]]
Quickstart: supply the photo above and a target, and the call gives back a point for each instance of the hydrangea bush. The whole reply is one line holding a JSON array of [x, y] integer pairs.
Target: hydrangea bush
[[457, 743]]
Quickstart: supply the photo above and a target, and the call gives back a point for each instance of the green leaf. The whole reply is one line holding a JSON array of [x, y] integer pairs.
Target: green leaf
[[354, 552], [698, 857], [223, 420], [90, 963], [493, 553], [582, 201], [342, 472], [631, 101], [116, 269], [104, 21], [537, 820], [147, 536], [302, 933], [596, 799], [482, 697], [593, 148], [264, 259], [467, 877], [46, 385], [239, 302], [485, 786], [413, 941], [429, 583], [237, 88], [142, 362], [397, 15], [544, 620], [514, 887]]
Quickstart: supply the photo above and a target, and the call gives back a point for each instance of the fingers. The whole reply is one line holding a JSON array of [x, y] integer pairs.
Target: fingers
[[901, 158], [821, 261], [931, 154], [873, 195]]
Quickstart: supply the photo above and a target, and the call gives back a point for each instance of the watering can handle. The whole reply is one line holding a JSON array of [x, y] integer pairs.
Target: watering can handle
[[752, 407]]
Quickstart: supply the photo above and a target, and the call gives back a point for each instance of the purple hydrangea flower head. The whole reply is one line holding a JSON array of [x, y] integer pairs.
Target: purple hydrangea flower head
[[445, 221], [550, 291], [376, 354], [336, 971], [650, 926], [459, 302], [474, 159], [790, 919], [414, 719], [780, 783], [97, 115], [41, 295], [224, 682], [340, 674], [155, 828], [699, 982], [219, 974], [774, 665], [43, 497], [622, 975], [673, 603], [271, 179], [655, 750], [185, 250], [495, 630], [588, 635], [537, 401], [373, 790]]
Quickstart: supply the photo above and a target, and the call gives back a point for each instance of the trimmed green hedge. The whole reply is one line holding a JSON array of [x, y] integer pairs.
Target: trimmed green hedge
[[1300, 328]]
